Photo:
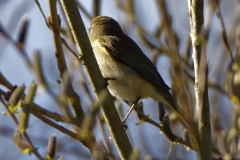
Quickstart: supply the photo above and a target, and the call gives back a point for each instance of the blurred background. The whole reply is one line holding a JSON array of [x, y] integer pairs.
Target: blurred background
[[141, 27]]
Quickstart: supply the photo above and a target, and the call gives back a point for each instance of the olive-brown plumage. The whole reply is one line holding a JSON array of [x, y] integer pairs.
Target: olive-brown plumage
[[129, 72]]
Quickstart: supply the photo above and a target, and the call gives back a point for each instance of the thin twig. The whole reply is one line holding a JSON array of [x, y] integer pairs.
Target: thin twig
[[34, 150], [224, 33], [85, 12], [86, 143], [170, 151]]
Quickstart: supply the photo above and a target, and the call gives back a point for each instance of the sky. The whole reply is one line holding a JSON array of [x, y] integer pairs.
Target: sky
[[39, 38]]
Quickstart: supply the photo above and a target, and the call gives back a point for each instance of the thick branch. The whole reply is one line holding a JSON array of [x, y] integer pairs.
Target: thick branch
[[96, 80]]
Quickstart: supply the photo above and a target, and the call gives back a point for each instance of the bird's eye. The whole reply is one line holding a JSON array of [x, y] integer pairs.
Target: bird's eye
[[89, 30]]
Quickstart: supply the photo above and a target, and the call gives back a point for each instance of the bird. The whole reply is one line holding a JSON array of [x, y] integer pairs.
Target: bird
[[130, 74]]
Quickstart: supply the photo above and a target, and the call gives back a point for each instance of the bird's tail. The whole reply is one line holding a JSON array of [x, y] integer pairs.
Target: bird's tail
[[171, 102]]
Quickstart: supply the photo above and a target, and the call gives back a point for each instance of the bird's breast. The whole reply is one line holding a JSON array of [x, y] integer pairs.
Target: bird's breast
[[126, 84], [109, 66]]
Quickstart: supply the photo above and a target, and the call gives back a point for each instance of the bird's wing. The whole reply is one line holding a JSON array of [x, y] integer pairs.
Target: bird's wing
[[127, 51]]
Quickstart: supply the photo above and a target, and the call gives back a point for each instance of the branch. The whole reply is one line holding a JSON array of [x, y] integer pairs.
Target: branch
[[36, 108], [74, 99], [201, 76], [21, 142], [96, 80]]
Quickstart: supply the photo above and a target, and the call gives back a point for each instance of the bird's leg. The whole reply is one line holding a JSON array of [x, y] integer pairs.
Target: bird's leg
[[130, 110]]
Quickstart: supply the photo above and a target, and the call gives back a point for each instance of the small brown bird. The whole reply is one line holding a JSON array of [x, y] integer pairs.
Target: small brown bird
[[131, 75]]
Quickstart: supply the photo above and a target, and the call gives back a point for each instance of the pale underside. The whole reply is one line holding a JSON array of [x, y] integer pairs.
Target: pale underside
[[126, 84]]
